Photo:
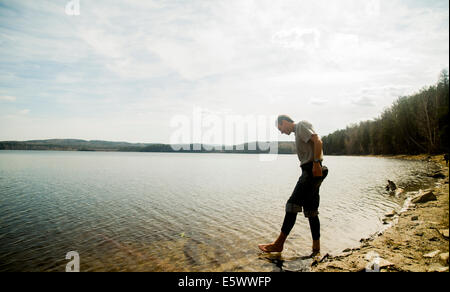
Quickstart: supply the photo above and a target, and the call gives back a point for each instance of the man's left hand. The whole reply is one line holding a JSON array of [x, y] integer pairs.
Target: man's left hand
[[317, 169]]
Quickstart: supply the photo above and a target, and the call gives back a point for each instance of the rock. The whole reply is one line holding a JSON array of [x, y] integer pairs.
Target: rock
[[336, 265], [297, 265], [419, 233], [414, 218], [385, 263], [431, 254], [346, 250], [399, 191], [434, 239], [424, 198], [444, 257], [438, 175], [345, 254], [437, 268], [382, 264], [415, 269], [392, 214], [391, 186], [444, 233]]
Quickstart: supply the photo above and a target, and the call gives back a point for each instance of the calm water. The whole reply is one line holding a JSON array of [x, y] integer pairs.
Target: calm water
[[177, 211]]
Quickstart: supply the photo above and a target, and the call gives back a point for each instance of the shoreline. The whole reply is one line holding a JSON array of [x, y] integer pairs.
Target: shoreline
[[414, 240]]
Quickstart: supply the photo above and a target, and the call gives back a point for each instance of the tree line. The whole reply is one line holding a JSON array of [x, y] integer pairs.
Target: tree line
[[411, 125], [96, 145]]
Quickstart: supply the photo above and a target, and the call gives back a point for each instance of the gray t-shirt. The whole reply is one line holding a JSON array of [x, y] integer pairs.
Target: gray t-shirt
[[305, 147]]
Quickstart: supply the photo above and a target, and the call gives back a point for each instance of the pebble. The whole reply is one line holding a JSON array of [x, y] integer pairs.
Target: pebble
[[385, 263], [414, 269], [437, 268], [444, 232], [431, 254], [444, 257], [423, 198], [392, 214]]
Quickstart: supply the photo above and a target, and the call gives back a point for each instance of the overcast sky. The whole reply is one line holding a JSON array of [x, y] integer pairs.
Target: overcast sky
[[121, 70]]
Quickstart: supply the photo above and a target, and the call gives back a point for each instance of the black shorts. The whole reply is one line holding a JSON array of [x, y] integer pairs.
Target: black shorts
[[305, 196]]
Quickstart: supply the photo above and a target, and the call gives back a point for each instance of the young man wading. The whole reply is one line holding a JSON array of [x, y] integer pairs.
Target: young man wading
[[306, 193]]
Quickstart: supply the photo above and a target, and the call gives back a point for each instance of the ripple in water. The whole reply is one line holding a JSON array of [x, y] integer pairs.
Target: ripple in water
[[180, 212]]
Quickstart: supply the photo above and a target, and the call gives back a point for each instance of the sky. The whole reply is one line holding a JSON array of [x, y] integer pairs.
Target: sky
[[124, 70]]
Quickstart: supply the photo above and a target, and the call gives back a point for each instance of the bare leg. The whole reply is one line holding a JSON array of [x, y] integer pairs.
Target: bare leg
[[316, 246], [277, 245], [314, 224]]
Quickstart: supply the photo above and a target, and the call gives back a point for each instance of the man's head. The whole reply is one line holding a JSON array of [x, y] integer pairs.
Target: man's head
[[285, 124]]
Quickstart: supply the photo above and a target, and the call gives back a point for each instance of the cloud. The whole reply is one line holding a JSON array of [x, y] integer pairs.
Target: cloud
[[390, 90], [118, 60], [24, 112], [199, 54], [7, 98], [297, 38], [105, 44], [318, 101], [364, 101]]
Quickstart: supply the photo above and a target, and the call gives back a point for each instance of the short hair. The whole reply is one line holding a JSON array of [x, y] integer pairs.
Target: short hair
[[282, 118]]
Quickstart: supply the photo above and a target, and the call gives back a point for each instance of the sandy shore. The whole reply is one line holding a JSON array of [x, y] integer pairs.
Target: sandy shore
[[417, 241]]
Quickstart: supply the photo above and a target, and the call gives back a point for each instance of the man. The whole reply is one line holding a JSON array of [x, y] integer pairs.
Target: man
[[305, 196]]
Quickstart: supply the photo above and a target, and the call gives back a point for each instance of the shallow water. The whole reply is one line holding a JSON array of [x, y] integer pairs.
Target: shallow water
[[180, 211]]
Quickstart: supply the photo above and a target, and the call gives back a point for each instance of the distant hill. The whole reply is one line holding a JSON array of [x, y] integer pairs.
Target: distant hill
[[98, 145], [68, 144]]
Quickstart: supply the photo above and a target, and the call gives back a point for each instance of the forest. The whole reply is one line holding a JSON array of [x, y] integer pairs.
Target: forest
[[411, 125]]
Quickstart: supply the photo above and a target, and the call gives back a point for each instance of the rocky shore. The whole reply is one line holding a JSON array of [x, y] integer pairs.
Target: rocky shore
[[417, 241]]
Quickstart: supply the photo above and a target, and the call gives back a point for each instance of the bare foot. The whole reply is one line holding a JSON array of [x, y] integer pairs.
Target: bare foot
[[270, 247]]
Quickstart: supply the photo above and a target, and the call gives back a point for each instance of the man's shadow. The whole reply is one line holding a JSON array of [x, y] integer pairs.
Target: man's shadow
[[289, 264]]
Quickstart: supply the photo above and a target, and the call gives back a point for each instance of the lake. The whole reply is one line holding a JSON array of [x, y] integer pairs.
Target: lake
[[181, 211]]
